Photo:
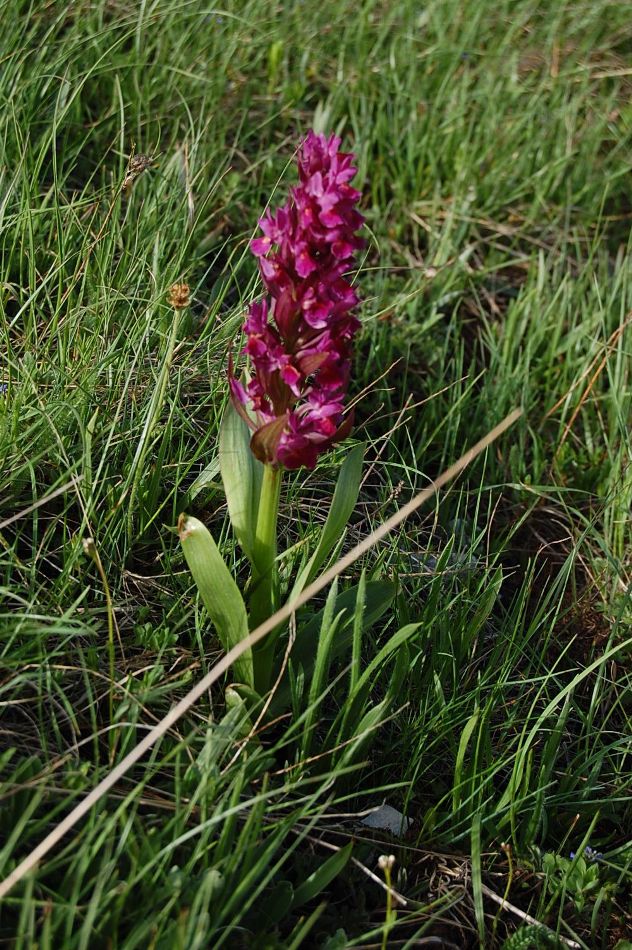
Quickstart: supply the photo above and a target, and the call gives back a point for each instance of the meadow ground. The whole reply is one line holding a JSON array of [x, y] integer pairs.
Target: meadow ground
[[494, 142]]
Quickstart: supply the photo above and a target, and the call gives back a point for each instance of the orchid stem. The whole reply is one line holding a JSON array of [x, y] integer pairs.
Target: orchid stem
[[263, 600]]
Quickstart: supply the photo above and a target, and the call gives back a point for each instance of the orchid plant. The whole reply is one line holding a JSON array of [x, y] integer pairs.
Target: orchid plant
[[291, 408]]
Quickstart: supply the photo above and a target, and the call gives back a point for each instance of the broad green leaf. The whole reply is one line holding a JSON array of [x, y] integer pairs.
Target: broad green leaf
[[218, 590], [241, 474], [342, 504], [322, 877]]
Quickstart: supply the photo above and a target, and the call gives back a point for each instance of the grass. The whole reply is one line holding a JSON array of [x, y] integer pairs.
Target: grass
[[494, 145]]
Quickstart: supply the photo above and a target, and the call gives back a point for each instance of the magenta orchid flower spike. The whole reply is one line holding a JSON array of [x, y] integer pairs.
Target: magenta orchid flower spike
[[299, 336]]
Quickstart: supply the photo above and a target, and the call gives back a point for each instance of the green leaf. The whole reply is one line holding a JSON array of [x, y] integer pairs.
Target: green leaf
[[322, 663], [394, 643], [209, 477], [303, 928], [487, 604], [275, 904], [325, 638], [466, 735], [358, 693], [242, 474], [477, 877], [378, 597], [218, 590], [370, 722], [401, 672], [342, 504], [244, 700], [322, 877], [339, 941], [358, 629]]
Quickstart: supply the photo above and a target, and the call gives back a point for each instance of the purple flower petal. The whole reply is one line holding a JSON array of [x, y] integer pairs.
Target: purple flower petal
[[260, 246]]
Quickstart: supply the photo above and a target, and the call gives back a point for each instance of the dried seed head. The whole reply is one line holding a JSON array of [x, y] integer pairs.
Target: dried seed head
[[179, 296], [135, 168]]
